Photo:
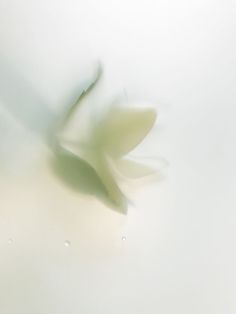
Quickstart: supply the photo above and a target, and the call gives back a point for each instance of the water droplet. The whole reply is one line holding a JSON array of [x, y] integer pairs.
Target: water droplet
[[123, 238], [67, 243], [10, 241]]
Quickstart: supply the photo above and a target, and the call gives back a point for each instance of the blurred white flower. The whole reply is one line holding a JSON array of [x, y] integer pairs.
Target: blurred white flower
[[104, 140]]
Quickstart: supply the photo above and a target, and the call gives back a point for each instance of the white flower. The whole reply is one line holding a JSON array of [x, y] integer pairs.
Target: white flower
[[114, 132]]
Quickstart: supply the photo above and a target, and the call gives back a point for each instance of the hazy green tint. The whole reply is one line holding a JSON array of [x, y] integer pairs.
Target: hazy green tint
[[89, 165]]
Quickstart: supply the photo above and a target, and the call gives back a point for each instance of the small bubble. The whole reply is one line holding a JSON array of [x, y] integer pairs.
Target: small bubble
[[123, 238], [10, 241], [67, 243]]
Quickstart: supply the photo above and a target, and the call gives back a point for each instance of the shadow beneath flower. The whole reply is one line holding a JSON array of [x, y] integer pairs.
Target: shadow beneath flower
[[80, 177]]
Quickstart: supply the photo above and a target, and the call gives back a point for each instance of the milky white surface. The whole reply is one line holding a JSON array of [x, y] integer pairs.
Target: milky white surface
[[65, 251]]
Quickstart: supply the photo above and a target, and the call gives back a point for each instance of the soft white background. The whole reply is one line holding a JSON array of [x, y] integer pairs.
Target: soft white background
[[179, 253]]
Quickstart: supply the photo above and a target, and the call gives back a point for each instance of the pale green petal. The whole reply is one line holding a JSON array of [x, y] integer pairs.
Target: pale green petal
[[122, 130]]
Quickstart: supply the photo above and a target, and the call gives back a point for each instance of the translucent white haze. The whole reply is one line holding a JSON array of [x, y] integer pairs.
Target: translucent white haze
[[62, 249]]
